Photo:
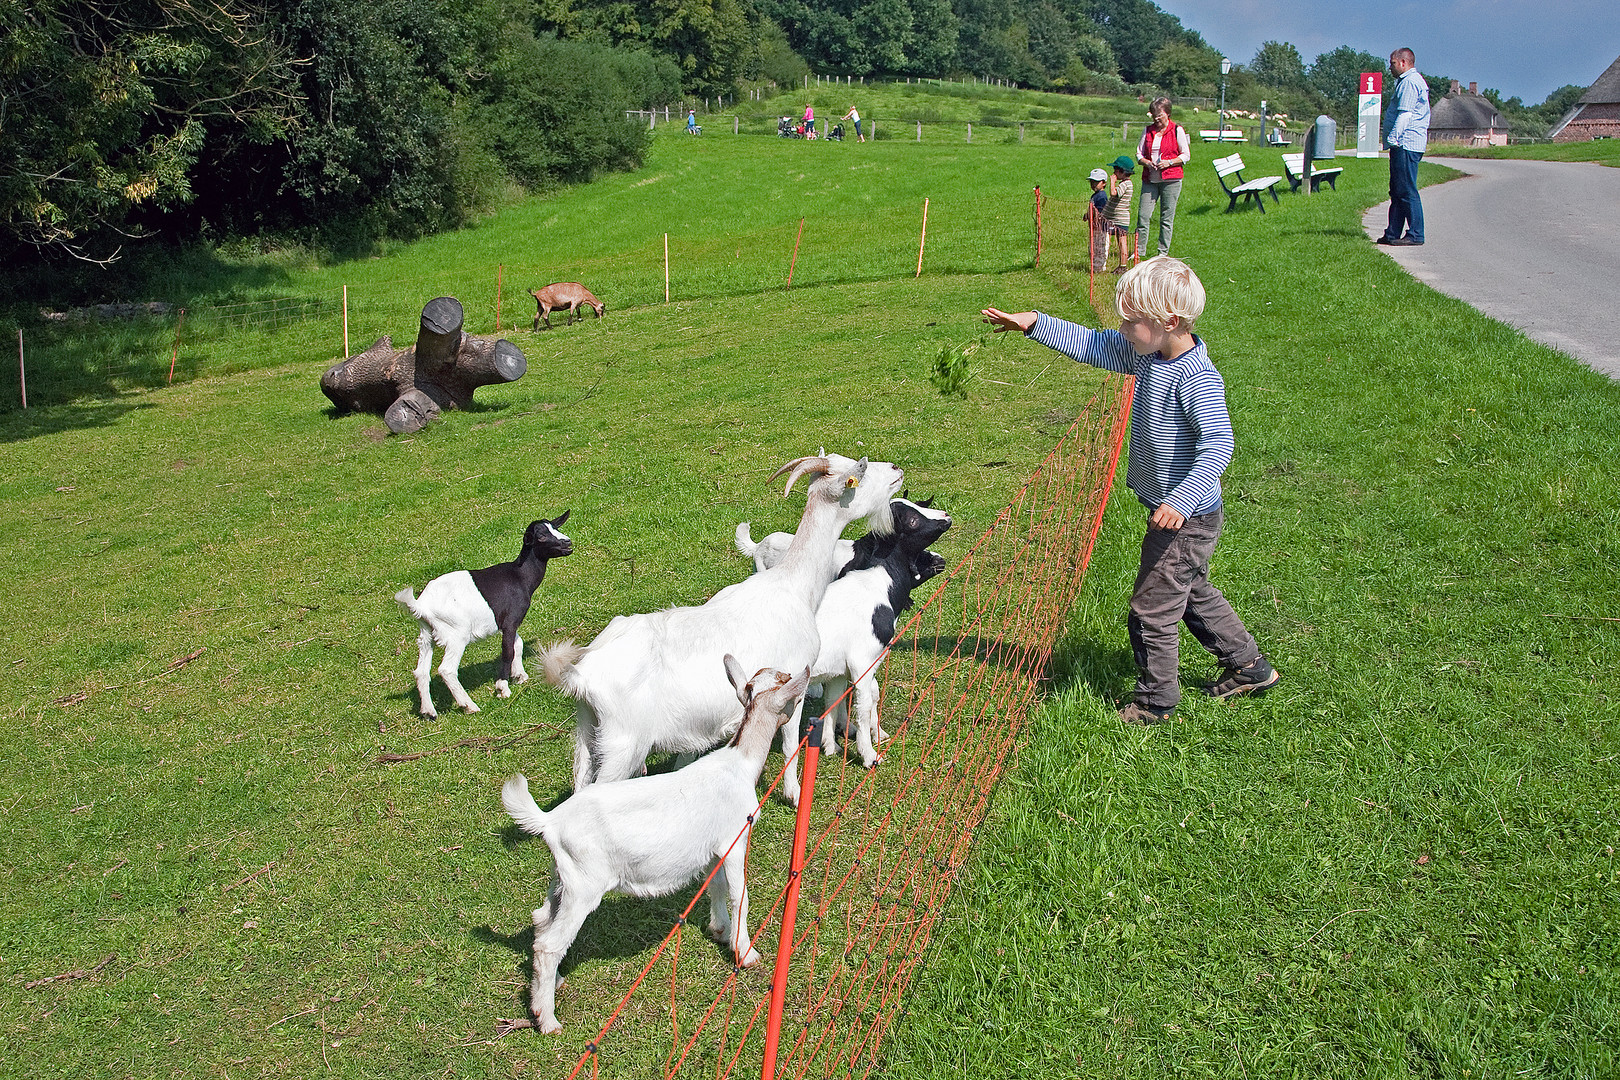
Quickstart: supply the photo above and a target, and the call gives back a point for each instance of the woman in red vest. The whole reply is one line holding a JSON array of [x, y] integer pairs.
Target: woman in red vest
[[1163, 151]]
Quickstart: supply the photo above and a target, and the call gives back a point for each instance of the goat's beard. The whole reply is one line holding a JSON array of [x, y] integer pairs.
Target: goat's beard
[[881, 520]]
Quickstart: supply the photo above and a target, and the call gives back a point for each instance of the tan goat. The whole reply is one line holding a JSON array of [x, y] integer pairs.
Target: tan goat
[[564, 294]]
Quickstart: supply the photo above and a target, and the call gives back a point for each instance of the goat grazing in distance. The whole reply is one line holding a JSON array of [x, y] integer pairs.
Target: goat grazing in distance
[[464, 606], [650, 835], [564, 294], [653, 681]]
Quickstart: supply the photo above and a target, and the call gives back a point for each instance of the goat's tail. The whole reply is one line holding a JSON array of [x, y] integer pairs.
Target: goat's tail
[[745, 541], [557, 662], [406, 598], [521, 805]]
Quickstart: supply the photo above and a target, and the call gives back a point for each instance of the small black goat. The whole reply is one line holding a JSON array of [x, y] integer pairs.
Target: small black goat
[[463, 606]]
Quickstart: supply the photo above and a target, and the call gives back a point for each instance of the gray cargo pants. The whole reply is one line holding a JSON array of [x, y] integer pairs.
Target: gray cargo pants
[[1172, 586]]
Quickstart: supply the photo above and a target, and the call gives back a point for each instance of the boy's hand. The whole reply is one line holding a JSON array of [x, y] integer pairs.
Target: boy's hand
[[1002, 322], [1166, 517]]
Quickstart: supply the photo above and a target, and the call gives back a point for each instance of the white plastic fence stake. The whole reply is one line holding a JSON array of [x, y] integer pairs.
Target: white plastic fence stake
[[666, 268], [923, 240], [345, 320], [22, 372]]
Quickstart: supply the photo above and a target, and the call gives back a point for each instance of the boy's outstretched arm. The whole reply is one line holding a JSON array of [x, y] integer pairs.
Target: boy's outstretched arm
[[1002, 322]]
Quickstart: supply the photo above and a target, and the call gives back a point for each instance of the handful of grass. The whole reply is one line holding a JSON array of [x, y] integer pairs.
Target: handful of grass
[[953, 367]]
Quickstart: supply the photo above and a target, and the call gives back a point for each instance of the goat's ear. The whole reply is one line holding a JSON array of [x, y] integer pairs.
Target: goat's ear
[[796, 687], [738, 677], [563, 517]]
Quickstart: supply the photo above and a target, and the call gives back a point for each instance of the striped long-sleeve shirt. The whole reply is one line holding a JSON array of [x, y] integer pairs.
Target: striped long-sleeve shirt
[[1181, 435]]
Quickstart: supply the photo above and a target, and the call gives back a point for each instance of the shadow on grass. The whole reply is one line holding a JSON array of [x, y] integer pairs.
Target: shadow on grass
[[19, 424], [1108, 671]]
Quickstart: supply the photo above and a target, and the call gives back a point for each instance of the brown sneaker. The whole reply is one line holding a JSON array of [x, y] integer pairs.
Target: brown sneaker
[[1253, 679], [1132, 713]]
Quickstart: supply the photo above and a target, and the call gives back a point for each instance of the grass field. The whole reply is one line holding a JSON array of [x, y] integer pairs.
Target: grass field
[[1401, 861], [1602, 151]]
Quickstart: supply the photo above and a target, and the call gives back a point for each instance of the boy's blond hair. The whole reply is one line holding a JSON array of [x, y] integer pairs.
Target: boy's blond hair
[[1161, 289]]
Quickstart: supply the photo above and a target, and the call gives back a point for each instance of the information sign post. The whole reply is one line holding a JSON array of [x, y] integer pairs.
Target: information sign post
[[1368, 114]]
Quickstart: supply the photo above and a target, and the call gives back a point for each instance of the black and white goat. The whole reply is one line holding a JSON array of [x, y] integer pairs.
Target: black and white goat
[[655, 682], [463, 606], [650, 835], [910, 518], [856, 623]]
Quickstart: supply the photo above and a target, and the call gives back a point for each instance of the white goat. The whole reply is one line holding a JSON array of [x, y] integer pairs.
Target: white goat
[[867, 550], [651, 835], [464, 606], [652, 681]]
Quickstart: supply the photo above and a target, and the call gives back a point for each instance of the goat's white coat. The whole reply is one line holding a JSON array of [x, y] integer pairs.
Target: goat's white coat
[[650, 835], [653, 681]]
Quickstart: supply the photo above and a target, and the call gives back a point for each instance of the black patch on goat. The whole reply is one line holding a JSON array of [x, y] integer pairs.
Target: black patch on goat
[[906, 572], [508, 587]]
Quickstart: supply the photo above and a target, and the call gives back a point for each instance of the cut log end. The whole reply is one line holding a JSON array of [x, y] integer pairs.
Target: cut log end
[[442, 315], [510, 363], [411, 412]]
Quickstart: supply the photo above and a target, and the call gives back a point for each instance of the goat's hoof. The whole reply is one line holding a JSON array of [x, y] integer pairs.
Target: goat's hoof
[[522, 678], [503, 691], [750, 960], [430, 714], [548, 1027], [882, 736], [874, 761], [470, 707]]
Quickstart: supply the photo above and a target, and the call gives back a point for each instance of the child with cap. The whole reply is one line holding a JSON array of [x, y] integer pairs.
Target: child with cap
[[1118, 210], [1181, 443], [1097, 220]]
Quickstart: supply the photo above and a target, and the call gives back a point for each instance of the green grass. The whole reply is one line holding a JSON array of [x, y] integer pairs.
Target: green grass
[[1400, 861], [1601, 151]]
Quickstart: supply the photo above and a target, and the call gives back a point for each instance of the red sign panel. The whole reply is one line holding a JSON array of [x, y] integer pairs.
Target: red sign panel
[[1372, 82]]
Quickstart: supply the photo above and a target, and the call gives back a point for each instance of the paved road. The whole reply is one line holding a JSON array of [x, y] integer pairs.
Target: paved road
[[1535, 244]]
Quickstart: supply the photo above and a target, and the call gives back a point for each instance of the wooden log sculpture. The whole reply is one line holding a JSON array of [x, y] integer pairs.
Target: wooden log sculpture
[[441, 371]]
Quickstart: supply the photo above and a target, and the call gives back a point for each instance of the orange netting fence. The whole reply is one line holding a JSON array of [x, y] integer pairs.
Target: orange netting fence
[[857, 895]]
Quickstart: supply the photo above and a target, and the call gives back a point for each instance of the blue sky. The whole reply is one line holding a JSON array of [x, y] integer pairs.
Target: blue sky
[[1515, 46]]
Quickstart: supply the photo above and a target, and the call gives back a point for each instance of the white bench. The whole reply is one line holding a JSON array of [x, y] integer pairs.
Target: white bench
[[1226, 135], [1252, 190], [1294, 166]]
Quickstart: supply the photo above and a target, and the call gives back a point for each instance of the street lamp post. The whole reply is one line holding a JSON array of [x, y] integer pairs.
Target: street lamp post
[[1226, 67]]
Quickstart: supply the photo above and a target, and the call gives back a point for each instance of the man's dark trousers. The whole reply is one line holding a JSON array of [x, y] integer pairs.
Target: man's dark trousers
[[1405, 207]]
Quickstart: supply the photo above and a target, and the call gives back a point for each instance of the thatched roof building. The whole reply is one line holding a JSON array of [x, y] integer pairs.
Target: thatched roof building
[[1467, 116], [1597, 114]]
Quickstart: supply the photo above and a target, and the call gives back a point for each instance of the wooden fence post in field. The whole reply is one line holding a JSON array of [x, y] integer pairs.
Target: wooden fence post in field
[[795, 261], [345, 320], [666, 268], [1037, 225], [734, 125], [923, 240], [22, 372], [175, 356], [919, 131], [970, 133], [500, 272], [1071, 134]]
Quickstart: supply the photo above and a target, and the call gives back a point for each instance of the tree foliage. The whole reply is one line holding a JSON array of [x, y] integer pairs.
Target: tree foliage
[[1278, 63], [105, 107], [1336, 75]]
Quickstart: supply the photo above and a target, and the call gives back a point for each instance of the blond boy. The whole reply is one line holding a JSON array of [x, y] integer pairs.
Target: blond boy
[[1181, 443]]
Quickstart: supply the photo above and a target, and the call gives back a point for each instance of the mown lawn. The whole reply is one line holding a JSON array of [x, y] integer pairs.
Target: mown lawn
[[1399, 861]]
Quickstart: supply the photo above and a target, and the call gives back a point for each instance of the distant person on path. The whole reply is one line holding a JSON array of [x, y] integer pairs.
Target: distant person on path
[[1163, 151], [1118, 208], [1406, 133], [1181, 443], [855, 115], [691, 122], [809, 120]]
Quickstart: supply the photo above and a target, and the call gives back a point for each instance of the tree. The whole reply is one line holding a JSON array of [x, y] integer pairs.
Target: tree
[[107, 105], [1181, 68], [1278, 63], [1136, 30], [1336, 75], [1051, 39]]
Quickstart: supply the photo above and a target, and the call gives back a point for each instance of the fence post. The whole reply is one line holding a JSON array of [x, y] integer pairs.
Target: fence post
[[500, 271], [919, 131], [1037, 224], [1020, 131], [22, 371], [811, 751], [345, 320], [175, 356], [923, 240], [970, 133], [734, 125], [666, 268], [1071, 133], [795, 261]]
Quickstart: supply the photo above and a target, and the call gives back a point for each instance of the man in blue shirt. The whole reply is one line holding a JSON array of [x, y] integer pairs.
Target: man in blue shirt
[[1406, 133]]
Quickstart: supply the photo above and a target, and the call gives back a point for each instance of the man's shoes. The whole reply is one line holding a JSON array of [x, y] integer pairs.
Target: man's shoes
[[1388, 240], [1398, 241], [1141, 715], [1253, 679]]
